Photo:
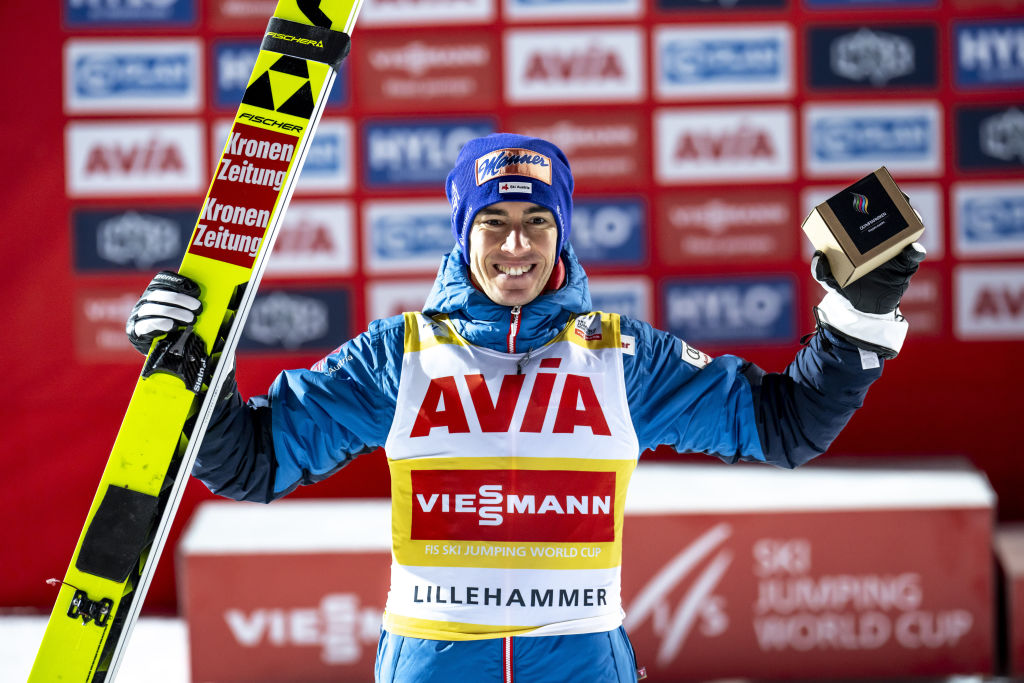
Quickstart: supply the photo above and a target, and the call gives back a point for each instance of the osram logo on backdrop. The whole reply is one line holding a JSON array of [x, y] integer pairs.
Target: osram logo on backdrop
[[513, 505], [840, 140], [418, 12], [989, 302], [713, 144], [127, 158], [105, 13], [734, 61], [989, 54], [131, 75], [989, 218], [429, 72], [405, 235], [574, 65], [316, 238]]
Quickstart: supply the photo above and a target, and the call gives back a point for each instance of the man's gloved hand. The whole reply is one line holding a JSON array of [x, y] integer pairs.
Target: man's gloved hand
[[880, 290], [171, 300], [866, 311]]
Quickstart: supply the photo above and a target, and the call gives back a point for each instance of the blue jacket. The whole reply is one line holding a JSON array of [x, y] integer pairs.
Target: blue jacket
[[313, 422]]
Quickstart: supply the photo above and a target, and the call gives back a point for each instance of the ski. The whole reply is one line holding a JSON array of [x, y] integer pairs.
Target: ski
[[102, 592]]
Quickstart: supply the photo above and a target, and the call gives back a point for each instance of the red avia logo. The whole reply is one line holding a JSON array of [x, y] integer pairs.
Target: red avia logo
[[446, 401], [152, 156], [592, 63], [513, 505], [744, 142]]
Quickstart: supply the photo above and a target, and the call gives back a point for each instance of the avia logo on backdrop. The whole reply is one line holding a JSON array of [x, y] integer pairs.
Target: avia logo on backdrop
[[338, 625], [842, 139], [316, 238], [296, 320], [990, 137], [574, 65], [133, 158], [989, 54], [414, 153], [709, 144], [739, 61], [698, 607], [101, 13], [513, 505], [989, 302], [448, 401], [127, 76]]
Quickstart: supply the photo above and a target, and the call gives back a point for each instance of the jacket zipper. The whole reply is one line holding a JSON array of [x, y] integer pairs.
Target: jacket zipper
[[513, 328]]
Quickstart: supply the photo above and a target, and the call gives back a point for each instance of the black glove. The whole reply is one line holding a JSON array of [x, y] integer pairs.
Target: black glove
[[880, 290], [171, 300]]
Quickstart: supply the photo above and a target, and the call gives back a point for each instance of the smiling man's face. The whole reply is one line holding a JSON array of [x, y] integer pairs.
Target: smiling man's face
[[512, 251]]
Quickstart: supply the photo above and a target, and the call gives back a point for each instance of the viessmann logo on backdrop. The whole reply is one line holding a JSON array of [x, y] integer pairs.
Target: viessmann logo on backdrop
[[131, 75], [513, 505]]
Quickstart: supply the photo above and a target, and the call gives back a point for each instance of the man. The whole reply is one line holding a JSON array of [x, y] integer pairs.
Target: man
[[512, 416]]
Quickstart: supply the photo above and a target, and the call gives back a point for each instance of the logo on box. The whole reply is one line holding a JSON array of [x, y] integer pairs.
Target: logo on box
[[574, 65], [843, 140], [737, 61], [727, 310]]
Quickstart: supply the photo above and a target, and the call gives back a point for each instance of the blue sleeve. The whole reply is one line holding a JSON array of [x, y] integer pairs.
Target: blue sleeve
[[312, 423], [732, 409]]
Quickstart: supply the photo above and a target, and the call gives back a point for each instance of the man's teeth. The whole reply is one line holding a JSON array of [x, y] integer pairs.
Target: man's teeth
[[514, 270]]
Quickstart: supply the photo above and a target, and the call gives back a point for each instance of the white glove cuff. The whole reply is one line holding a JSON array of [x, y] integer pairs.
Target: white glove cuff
[[885, 330]]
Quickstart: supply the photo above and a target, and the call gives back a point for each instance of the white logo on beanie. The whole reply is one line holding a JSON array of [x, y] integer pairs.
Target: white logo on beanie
[[521, 188]]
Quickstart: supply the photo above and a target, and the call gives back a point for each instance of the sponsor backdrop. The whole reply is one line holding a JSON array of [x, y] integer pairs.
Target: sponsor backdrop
[[701, 132]]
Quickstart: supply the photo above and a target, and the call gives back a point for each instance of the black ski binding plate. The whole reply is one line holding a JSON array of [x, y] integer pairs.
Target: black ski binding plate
[[182, 354], [89, 610]]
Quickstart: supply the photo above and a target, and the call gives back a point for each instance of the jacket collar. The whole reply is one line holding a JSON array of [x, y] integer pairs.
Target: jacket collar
[[485, 323]]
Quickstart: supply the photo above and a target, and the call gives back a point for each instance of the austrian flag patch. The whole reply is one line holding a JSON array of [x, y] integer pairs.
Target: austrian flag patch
[[513, 161]]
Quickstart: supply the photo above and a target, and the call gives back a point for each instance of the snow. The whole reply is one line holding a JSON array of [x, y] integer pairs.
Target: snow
[[157, 651]]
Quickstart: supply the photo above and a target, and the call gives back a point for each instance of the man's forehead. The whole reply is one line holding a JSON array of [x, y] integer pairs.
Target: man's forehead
[[504, 207]]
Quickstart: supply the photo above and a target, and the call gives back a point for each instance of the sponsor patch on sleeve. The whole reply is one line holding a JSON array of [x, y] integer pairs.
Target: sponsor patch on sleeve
[[628, 345], [697, 359]]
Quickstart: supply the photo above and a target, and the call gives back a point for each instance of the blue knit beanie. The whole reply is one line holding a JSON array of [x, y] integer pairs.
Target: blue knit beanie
[[504, 167]]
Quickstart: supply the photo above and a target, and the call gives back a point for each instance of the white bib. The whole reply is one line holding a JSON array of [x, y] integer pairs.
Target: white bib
[[508, 481]]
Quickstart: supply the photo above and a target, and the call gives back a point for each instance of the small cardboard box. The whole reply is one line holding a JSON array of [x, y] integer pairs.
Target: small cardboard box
[[863, 226]]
